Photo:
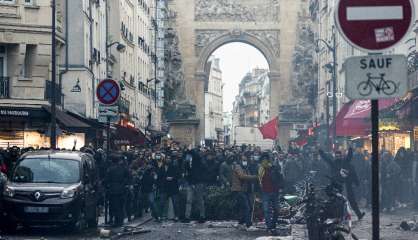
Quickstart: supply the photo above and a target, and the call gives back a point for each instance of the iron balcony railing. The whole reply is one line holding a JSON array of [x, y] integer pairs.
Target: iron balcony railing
[[4, 87]]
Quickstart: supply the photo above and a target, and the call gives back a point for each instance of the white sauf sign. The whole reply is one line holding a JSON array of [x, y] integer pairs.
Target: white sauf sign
[[376, 77]]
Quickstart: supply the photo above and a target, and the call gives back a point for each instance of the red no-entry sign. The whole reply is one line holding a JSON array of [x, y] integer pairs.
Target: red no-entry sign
[[374, 25], [108, 92]]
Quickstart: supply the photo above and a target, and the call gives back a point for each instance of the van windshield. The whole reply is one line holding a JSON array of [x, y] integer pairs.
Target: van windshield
[[45, 170]]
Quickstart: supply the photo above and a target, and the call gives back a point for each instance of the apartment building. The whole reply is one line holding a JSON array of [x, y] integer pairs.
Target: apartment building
[[25, 75], [133, 24], [253, 102], [214, 103], [84, 60]]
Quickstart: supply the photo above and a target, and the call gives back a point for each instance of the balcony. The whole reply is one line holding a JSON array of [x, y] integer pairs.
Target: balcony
[[4, 87]]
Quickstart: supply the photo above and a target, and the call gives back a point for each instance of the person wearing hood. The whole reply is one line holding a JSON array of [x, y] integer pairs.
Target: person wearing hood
[[271, 181]]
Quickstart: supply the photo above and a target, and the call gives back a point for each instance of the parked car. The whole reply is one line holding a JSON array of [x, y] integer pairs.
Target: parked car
[[52, 188]]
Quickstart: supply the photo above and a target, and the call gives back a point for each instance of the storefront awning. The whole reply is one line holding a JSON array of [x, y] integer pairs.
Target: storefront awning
[[354, 117], [67, 121], [94, 123], [128, 136]]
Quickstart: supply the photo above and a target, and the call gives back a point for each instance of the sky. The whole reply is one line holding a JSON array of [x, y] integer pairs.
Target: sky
[[236, 60]]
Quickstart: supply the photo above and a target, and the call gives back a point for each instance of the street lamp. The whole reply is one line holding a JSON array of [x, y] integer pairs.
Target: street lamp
[[119, 47], [333, 49]]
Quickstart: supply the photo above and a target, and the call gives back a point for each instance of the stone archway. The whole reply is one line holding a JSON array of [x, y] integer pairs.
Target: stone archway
[[217, 39], [205, 25]]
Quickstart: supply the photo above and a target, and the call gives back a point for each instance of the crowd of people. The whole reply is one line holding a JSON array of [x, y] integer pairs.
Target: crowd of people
[[152, 178]]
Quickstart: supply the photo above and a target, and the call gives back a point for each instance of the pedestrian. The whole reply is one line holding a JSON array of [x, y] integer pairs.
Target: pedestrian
[[343, 171], [115, 182], [168, 175], [240, 188], [212, 169], [149, 189], [225, 172], [271, 181], [390, 172], [292, 173], [196, 188], [404, 159]]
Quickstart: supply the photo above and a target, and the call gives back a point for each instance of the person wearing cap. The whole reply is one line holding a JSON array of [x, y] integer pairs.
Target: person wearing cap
[[271, 181]]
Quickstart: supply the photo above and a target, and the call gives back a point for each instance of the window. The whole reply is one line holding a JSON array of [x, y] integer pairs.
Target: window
[[29, 2], [7, 1], [3, 61], [27, 66]]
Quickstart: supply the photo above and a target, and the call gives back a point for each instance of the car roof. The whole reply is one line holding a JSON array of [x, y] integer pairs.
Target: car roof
[[70, 155]]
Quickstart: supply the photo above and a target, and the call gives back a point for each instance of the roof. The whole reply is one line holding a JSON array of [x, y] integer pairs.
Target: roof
[[70, 155]]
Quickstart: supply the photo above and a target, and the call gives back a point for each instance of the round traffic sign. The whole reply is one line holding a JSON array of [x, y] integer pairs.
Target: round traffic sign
[[374, 25], [108, 92]]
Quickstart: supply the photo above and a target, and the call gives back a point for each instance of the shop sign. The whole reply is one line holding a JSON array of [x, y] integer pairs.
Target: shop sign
[[122, 142], [14, 113]]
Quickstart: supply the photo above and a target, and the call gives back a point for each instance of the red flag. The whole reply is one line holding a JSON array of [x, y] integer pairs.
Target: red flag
[[270, 129]]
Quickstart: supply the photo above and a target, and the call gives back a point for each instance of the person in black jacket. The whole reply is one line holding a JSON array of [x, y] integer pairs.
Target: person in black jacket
[[115, 181], [168, 176], [149, 188], [195, 177], [212, 169], [343, 171]]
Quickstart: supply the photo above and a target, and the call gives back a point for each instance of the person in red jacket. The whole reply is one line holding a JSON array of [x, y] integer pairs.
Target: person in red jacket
[[271, 181]]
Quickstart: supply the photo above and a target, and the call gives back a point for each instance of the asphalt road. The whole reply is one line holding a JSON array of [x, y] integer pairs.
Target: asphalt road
[[222, 230]]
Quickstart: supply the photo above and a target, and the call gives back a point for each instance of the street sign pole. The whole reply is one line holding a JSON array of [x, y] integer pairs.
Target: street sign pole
[[106, 206], [375, 171], [53, 137]]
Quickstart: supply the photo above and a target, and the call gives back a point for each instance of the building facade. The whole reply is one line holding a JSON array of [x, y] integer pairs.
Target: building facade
[[322, 14], [214, 103], [133, 24], [84, 64], [25, 76], [253, 101]]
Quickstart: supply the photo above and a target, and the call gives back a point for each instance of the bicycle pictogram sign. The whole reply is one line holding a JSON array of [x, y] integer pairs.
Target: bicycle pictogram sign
[[377, 83], [376, 77], [108, 92]]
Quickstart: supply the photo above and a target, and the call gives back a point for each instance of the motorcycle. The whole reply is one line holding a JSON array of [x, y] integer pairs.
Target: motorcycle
[[328, 218]]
